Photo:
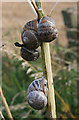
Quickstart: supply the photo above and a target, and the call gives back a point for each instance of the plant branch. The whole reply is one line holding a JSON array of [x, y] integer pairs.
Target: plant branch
[[17, 107], [50, 14], [65, 104], [5, 104], [47, 70], [36, 8], [2, 115]]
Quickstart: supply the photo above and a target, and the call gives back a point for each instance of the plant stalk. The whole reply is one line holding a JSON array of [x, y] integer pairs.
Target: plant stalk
[[2, 115], [47, 70], [6, 105]]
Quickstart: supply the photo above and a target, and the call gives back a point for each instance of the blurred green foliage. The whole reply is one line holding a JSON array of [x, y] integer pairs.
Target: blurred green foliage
[[16, 80]]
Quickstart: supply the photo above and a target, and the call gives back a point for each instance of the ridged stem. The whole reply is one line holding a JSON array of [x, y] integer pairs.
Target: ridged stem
[[45, 49], [47, 70]]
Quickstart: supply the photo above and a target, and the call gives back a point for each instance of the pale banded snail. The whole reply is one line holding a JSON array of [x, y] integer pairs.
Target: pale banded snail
[[37, 93]]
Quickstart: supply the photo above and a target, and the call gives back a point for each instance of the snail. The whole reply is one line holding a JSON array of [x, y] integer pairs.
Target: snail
[[29, 55], [30, 41], [37, 31], [29, 35], [46, 29], [26, 54], [37, 93], [33, 34]]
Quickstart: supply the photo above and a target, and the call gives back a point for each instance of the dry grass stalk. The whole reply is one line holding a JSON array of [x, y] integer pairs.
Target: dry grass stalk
[[51, 97], [16, 107], [5, 104], [65, 104], [2, 115], [47, 70]]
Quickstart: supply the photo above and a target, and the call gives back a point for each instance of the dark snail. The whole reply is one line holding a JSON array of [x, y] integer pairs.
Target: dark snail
[[37, 93], [30, 41], [29, 55], [46, 29], [29, 35]]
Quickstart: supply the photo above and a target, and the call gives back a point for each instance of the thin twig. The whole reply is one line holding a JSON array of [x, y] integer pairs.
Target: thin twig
[[5, 104], [13, 99], [60, 59], [15, 96], [26, 114], [16, 107], [36, 8], [65, 104], [19, 58], [2, 115], [50, 14]]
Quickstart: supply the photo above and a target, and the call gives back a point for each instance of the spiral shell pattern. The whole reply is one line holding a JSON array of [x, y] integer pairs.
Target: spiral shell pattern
[[36, 93], [46, 29]]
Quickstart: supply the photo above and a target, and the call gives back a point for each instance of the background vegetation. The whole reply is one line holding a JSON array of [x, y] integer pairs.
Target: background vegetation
[[17, 74]]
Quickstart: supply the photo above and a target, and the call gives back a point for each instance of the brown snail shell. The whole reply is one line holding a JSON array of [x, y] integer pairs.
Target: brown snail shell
[[46, 29], [33, 34], [30, 39], [29, 55], [29, 35]]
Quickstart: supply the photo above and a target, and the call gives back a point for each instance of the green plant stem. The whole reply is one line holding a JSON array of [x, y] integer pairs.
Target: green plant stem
[[47, 70]]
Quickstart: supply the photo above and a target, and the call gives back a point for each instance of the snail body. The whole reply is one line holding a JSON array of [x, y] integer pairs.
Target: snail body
[[37, 93]]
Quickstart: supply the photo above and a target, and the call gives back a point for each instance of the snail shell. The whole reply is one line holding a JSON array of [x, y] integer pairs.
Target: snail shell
[[29, 35], [29, 55], [36, 93], [46, 29], [33, 34]]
